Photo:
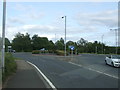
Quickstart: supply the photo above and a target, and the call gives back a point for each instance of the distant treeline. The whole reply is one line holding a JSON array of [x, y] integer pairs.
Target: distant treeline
[[23, 43]]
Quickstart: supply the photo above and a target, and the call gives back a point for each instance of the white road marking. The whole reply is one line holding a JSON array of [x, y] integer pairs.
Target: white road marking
[[48, 81], [95, 70], [75, 64]]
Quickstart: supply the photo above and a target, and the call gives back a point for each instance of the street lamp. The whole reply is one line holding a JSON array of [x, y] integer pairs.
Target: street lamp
[[65, 34], [115, 37], [55, 37], [3, 35], [102, 44]]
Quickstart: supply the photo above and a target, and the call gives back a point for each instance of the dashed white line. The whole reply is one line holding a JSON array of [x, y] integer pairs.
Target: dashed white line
[[48, 81], [95, 70], [75, 64]]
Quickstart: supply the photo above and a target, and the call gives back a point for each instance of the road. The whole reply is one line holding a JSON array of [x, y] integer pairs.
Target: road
[[83, 71]]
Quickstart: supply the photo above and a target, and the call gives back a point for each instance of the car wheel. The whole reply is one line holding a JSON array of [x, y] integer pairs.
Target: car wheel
[[105, 62], [112, 64]]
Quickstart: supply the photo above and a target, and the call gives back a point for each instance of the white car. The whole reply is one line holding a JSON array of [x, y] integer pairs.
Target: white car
[[113, 60]]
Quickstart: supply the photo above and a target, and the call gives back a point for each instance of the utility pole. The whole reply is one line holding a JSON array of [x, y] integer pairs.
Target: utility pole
[[55, 37], [65, 34], [102, 44], [3, 35], [115, 38]]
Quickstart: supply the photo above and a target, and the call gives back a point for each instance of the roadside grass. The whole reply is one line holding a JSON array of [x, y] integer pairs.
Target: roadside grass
[[17, 58], [10, 66]]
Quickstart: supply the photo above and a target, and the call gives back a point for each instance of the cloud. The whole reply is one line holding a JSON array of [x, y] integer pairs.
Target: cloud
[[41, 30], [14, 20], [89, 24], [36, 16], [50, 31], [23, 14], [105, 19], [63, 1]]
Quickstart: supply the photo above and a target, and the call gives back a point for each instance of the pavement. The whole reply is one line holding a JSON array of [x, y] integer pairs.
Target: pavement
[[25, 77]]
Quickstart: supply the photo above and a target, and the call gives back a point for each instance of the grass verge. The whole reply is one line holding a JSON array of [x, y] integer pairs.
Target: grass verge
[[10, 66]]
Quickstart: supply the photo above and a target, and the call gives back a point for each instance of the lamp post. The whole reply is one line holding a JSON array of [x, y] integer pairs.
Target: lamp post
[[65, 34], [115, 37], [102, 43], [3, 35], [55, 37]]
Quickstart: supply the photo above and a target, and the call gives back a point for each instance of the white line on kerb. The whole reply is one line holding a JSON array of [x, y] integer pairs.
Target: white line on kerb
[[48, 81], [96, 71]]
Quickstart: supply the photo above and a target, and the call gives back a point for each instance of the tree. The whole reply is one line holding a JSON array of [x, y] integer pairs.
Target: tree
[[40, 42], [82, 42], [82, 45], [60, 44], [0, 43], [7, 43], [22, 42], [51, 45], [27, 43], [62, 40]]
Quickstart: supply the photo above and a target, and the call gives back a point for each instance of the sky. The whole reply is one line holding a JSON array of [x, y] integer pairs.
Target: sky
[[88, 20]]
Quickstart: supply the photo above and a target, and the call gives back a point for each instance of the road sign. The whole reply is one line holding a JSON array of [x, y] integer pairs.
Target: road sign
[[72, 47]]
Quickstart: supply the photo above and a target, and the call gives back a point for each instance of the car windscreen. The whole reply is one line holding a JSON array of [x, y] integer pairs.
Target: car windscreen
[[116, 57]]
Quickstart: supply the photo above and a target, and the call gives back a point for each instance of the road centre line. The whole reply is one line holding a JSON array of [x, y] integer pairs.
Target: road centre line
[[95, 70], [48, 81]]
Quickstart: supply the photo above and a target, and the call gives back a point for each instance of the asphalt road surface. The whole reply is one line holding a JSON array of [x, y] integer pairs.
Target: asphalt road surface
[[82, 71]]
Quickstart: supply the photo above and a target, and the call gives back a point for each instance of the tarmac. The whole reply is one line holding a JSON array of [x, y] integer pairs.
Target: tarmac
[[25, 77]]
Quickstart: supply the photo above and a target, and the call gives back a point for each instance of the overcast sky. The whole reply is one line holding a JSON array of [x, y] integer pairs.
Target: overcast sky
[[88, 20]]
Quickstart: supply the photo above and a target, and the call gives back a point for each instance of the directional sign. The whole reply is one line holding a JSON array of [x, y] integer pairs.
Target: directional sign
[[72, 47]]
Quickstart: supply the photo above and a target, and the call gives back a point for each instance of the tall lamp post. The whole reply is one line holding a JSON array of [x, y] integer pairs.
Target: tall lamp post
[[3, 35], [102, 43], [115, 37], [65, 34]]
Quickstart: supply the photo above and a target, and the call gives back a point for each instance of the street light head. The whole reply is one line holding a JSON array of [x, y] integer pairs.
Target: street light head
[[62, 17]]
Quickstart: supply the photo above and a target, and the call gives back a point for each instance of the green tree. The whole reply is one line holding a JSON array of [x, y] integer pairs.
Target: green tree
[[82, 45], [22, 42], [7, 43], [62, 40], [59, 45], [51, 45], [40, 42]]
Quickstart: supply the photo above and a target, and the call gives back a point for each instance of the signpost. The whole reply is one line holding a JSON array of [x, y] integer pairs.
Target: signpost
[[72, 48], [9, 48]]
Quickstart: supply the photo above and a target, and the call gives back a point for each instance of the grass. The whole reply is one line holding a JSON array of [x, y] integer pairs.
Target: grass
[[17, 58], [10, 66]]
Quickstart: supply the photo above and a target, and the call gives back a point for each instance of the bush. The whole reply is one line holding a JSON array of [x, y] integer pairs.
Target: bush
[[35, 52], [60, 52], [51, 51], [44, 51], [10, 66]]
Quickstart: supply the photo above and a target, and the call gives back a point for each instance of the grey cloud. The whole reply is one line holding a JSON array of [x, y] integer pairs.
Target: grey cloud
[[14, 20], [105, 18], [50, 31]]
